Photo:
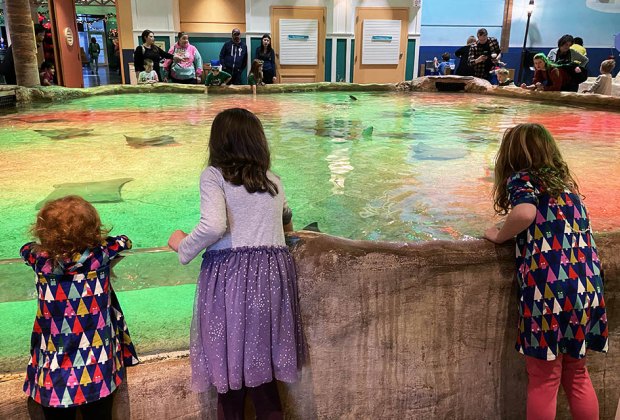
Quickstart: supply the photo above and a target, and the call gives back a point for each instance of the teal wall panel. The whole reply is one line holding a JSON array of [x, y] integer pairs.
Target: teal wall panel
[[254, 44], [409, 69], [352, 59], [328, 60], [341, 59]]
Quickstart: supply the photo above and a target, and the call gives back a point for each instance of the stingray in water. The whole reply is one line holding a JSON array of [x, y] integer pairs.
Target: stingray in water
[[426, 152], [66, 133], [41, 121], [139, 142], [95, 192]]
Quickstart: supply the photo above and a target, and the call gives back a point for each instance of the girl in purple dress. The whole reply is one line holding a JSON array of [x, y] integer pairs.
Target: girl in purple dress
[[80, 343], [246, 329], [561, 301]]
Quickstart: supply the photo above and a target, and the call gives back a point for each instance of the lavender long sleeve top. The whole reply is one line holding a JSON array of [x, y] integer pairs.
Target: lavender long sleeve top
[[230, 217]]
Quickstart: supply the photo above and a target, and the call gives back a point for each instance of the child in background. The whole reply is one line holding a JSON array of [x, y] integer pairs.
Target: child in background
[[602, 84], [47, 73], [148, 75], [561, 300], [502, 77], [80, 343], [442, 68], [216, 76], [256, 75], [246, 329], [93, 52]]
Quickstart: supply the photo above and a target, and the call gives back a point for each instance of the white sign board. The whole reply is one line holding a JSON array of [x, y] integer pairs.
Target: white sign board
[[299, 42], [380, 41]]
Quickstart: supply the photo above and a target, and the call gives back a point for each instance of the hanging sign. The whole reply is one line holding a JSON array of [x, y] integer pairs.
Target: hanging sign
[[381, 38], [299, 37]]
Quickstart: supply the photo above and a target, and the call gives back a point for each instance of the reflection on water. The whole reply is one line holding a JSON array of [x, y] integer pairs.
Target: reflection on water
[[385, 166]]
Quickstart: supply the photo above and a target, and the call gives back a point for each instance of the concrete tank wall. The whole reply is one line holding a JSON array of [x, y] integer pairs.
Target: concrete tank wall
[[393, 331]]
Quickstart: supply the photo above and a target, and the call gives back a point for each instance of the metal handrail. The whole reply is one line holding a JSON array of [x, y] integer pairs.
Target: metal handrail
[[7, 261]]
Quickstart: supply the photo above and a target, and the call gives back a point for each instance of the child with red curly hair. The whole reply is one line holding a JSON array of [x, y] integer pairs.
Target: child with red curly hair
[[80, 343]]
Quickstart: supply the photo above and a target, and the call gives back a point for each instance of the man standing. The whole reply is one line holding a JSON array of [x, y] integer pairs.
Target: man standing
[[483, 53], [234, 57]]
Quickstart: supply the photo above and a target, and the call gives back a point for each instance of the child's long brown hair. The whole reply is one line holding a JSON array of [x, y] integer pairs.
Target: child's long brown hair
[[530, 148], [238, 147], [257, 70], [66, 226]]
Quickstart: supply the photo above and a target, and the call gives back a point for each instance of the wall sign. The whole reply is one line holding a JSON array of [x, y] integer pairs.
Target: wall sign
[[299, 42], [69, 36], [381, 41]]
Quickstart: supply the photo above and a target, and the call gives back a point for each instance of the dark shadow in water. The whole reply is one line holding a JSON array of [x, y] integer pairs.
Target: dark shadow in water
[[94, 192]]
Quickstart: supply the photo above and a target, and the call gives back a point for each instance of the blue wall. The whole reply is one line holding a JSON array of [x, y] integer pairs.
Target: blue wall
[[446, 24]]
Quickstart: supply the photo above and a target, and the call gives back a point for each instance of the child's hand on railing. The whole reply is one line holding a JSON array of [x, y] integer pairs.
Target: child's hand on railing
[[175, 239]]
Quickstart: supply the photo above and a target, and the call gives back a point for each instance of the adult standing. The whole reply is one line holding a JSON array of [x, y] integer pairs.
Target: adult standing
[[483, 53], [149, 50], [234, 57], [7, 68], [267, 55], [565, 56], [186, 65], [462, 53]]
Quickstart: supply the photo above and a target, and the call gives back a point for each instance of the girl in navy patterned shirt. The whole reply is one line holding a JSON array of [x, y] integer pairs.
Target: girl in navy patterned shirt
[[80, 343], [561, 303]]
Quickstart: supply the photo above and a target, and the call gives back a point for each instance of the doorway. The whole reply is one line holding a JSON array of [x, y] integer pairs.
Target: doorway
[[381, 44], [299, 42], [98, 27]]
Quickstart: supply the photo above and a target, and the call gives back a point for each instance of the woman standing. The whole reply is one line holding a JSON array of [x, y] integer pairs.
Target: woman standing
[[268, 57], [185, 67], [462, 53], [149, 50]]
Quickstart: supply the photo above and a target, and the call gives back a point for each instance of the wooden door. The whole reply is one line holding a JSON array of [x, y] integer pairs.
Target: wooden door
[[380, 73], [66, 43], [299, 73]]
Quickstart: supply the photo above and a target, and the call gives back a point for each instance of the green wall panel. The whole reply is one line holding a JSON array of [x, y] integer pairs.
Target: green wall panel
[[352, 59], [409, 69], [328, 60], [341, 59]]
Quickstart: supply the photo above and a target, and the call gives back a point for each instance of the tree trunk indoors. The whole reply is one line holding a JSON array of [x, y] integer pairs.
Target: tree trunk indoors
[[20, 26]]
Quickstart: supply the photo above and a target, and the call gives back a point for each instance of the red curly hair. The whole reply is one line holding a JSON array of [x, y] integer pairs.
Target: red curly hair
[[66, 226]]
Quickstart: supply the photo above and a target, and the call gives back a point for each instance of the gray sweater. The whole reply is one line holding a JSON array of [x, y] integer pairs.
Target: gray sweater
[[230, 217]]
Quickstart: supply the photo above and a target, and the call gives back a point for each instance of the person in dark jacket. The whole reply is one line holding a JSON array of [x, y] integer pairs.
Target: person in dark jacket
[[7, 68], [462, 53], [268, 56], [234, 57], [149, 50]]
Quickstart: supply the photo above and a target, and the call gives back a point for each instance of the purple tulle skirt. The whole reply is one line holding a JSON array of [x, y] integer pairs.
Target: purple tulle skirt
[[246, 328]]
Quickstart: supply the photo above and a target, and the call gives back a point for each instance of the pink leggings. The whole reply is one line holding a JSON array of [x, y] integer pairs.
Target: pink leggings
[[544, 378]]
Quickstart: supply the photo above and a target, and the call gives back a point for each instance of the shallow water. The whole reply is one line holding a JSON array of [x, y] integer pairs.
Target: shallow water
[[387, 166]]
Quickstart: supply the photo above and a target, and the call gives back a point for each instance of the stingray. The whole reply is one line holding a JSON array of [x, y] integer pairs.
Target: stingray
[[139, 142], [425, 152], [353, 97], [65, 133], [95, 192], [42, 121]]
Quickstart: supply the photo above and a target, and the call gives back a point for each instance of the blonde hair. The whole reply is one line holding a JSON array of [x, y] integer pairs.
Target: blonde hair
[[503, 71], [608, 65], [471, 40], [531, 148], [68, 225]]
